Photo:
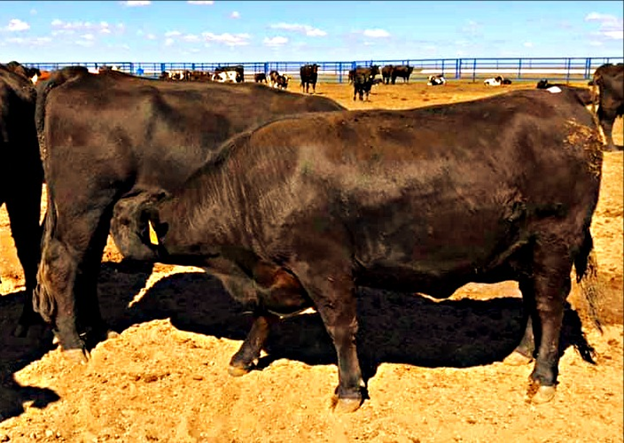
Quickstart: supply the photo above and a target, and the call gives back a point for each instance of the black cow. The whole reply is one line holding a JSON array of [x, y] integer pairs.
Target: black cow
[[386, 73], [609, 79], [403, 71], [260, 77], [31, 74], [21, 178], [394, 200], [370, 71], [309, 75], [129, 135], [362, 85]]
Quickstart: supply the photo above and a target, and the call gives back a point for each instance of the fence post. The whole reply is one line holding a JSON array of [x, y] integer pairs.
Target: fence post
[[519, 68], [458, 63], [569, 64], [474, 70]]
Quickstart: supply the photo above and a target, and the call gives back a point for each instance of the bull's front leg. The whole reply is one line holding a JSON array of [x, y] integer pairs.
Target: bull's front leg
[[244, 360]]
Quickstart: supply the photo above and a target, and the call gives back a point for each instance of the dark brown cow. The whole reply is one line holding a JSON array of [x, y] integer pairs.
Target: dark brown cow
[[386, 73], [260, 77], [31, 74], [369, 72], [130, 135], [21, 178], [403, 71], [309, 76], [394, 200], [609, 79]]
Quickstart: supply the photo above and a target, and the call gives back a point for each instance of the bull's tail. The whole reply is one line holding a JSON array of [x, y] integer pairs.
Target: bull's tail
[[586, 267], [43, 302]]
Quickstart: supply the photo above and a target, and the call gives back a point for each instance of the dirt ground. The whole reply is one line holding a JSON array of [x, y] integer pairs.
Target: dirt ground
[[433, 369]]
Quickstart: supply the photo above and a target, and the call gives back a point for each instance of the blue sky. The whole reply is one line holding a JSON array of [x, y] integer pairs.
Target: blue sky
[[249, 31]]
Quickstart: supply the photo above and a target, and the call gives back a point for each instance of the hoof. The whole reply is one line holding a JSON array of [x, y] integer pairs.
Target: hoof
[[517, 359], [544, 395], [80, 356], [238, 371], [346, 405]]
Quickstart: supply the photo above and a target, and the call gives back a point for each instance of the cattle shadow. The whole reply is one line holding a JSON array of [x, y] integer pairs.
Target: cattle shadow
[[17, 353], [394, 328]]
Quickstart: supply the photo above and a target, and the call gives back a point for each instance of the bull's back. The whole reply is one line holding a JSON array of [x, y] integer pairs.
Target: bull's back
[[416, 193]]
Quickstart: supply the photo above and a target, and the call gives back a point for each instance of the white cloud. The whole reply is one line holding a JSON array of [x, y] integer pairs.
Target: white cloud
[[275, 41], [132, 3], [17, 25], [208, 2], [376, 33], [303, 29], [235, 14], [597, 17], [595, 43], [611, 27], [227, 38], [150, 37], [88, 37], [191, 38], [85, 43], [68, 28], [173, 34], [169, 42], [29, 41], [528, 44]]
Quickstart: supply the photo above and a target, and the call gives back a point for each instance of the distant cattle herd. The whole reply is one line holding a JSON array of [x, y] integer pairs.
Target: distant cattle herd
[[293, 201]]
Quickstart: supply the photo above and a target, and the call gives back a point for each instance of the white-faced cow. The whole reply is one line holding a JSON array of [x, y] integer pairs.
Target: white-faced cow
[[496, 81], [130, 135], [21, 177], [609, 79], [392, 199], [436, 80]]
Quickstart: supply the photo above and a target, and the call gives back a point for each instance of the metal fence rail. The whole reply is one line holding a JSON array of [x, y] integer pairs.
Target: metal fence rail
[[474, 69]]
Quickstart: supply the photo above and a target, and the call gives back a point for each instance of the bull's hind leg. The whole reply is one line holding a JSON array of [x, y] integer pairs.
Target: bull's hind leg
[[523, 354], [331, 288], [243, 361], [551, 285], [67, 277], [23, 214]]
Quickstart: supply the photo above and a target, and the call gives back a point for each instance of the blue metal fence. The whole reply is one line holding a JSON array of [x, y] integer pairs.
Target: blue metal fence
[[473, 69]]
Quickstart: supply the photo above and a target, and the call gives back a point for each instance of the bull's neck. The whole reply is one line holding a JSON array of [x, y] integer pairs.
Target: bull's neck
[[209, 211]]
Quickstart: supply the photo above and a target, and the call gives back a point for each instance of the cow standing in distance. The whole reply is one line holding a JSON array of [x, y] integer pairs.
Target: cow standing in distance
[[369, 72], [31, 74], [260, 77], [309, 76], [609, 79], [129, 137], [393, 200], [21, 179], [278, 80], [403, 71], [386, 74], [362, 84]]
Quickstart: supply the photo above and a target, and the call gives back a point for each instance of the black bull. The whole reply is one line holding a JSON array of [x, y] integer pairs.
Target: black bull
[[21, 177], [609, 79], [300, 212], [107, 139]]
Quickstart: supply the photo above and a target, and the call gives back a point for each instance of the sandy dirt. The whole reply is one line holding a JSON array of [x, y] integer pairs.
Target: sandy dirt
[[433, 369]]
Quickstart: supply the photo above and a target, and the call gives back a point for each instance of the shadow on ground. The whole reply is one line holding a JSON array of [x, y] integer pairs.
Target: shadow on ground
[[394, 328], [17, 353]]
